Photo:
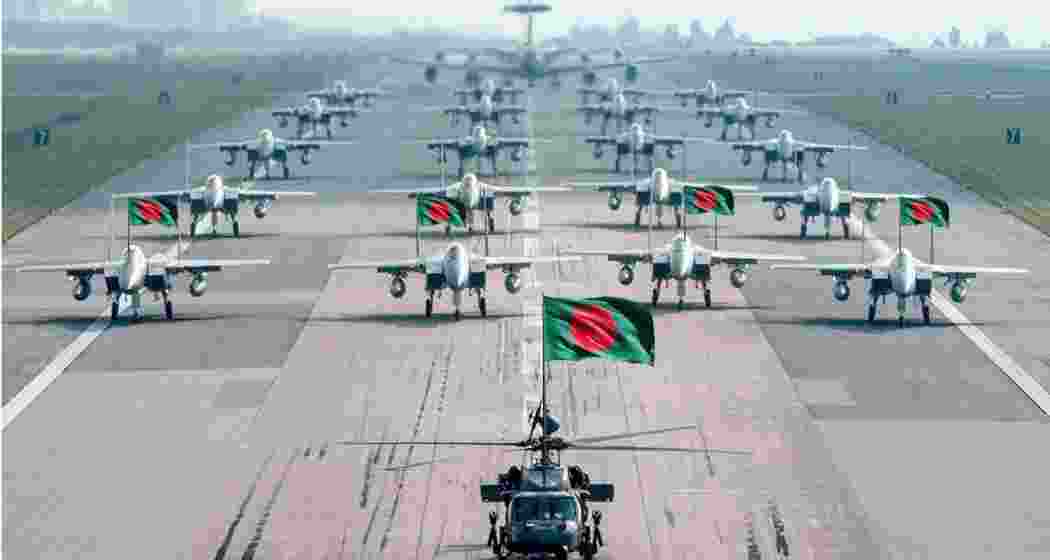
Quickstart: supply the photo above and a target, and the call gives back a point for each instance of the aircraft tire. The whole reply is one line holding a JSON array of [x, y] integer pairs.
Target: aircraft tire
[[900, 321], [802, 234], [707, 297], [114, 310], [827, 235], [429, 309], [681, 305], [678, 221], [845, 230], [656, 296], [236, 229], [169, 310], [482, 307], [458, 315], [926, 314], [871, 313]]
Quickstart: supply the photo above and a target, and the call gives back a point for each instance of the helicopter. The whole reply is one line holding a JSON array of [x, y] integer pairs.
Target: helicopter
[[546, 505]]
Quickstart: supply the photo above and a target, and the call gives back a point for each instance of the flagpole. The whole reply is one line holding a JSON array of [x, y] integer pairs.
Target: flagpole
[[931, 242]]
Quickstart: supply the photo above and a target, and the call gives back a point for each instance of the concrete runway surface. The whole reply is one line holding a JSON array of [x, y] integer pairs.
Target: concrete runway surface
[[213, 435]]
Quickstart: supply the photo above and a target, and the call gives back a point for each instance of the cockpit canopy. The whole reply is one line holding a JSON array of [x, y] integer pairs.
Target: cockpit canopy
[[539, 507]]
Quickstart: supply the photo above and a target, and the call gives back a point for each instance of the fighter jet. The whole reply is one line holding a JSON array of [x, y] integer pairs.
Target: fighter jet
[[610, 90], [340, 94], [738, 112], [787, 150], [315, 114], [619, 110], [455, 269], [904, 276], [709, 95], [216, 199], [828, 200], [636, 141], [488, 88], [477, 196], [268, 150], [484, 113], [478, 145], [658, 187], [133, 274]]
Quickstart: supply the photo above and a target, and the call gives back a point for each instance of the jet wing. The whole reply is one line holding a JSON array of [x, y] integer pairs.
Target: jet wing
[[759, 145], [75, 269], [675, 140], [415, 191], [794, 197], [591, 109], [392, 267], [969, 271], [513, 191], [228, 146], [881, 197], [601, 140], [285, 113], [826, 148], [510, 264], [343, 112], [620, 256], [520, 142], [619, 187], [606, 66], [846, 271], [511, 110], [709, 112], [465, 66], [251, 194], [677, 185], [295, 145], [182, 194], [448, 144], [747, 258], [208, 265]]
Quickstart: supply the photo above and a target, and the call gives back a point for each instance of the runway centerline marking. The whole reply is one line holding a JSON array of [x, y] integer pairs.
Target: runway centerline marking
[[58, 365], [1024, 380]]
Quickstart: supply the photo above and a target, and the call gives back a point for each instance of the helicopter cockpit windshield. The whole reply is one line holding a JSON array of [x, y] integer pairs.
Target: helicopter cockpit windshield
[[537, 508]]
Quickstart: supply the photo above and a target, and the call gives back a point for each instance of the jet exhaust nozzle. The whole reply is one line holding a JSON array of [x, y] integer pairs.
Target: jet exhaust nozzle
[[81, 289], [398, 287], [840, 291], [872, 211], [779, 213], [626, 276], [199, 284], [512, 283], [958, 291]]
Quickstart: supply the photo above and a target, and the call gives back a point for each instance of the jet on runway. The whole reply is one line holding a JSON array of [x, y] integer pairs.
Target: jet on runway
[[828, 200], [485, 112], [479, 145], [133, 274], [488, 88], [477, 196], [637, 141], [314, 115], [621, 111], [610, 90], [787, 150], [215, 199], [904, 276], [269, 150], [659, 189], [709, 95], [457, 270], [738, 112], [340, 94]]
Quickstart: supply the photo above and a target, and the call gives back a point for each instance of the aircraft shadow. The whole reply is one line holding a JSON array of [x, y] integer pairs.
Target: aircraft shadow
[[880, 325], [440, 317], [671, 307], [435, 235], [628, 227], [74, 324], [451, 177], [159, 237], [791, 238]]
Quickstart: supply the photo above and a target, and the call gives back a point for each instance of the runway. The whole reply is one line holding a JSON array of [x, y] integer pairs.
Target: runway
[[214, 435]]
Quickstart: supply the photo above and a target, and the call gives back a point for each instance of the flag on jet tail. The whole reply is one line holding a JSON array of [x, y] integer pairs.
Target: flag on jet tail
[[931, 210], [701, 200], [433, 209], [145, 211], [606, 327]]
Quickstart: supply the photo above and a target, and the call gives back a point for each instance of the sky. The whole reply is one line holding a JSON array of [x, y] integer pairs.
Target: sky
[[900, 20]]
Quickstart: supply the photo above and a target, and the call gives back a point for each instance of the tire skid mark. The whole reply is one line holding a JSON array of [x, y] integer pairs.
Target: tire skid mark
[[439, 412], [399, 488], [707, 447], [637, 467], [264, 519], [220, 554]]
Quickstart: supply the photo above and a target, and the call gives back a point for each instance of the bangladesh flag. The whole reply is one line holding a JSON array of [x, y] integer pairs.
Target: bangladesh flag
[[701, 200], [932, 210], [145, 211], [606, 327], [433, 209]]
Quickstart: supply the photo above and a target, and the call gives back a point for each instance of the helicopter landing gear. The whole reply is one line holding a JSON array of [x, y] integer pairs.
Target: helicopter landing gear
[[497, 537]]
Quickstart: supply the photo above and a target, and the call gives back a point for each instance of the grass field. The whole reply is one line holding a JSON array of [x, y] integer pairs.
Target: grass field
[[965, 139], [121, 122]]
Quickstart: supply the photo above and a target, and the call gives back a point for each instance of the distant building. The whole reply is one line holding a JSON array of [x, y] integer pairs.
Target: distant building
[[725, 33], [996, 40], [955, 38], [938, 43]]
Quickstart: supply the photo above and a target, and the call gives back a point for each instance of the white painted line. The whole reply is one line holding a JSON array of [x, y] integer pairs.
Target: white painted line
[[50, 373], [1024, 380]]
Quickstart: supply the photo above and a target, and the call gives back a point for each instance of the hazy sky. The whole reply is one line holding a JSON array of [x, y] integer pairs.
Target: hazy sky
[[900, 20]]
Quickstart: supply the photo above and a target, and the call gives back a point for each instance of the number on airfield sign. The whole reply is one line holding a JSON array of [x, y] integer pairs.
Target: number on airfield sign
[[1013, 136], [41, 136]]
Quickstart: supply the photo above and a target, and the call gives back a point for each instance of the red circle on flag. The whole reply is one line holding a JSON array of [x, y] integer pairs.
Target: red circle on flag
[[922, 211], [149, 210], [704, 200], [593, 328], [439, 211]]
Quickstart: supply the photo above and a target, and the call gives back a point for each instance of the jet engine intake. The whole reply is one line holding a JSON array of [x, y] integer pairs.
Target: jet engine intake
[[283, 122], [430, 74], [822, 160], [305, 158], [871, 212], [626, 275], [398, 287], [779, 213], [840, 290], [199, 284], [516, 205], [516, 154], [958, 291], [82, 288], [589, 78], [261, 209], [738, 277], [512, 282], [615, 200]]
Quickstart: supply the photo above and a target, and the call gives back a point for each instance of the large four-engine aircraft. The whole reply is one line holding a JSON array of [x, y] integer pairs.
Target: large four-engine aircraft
[[740, 113], [457, 270], [314, 115], [786, 150], [216, 199], [341, 94], [904, 276], [479, 145], [658, 189], [636, 141], [133, 274], [477, 196], [829, 200], [268, 150]]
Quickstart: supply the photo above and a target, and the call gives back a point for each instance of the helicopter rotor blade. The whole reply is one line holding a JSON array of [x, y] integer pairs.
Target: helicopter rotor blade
[[441, 443], [625, 435], [660, 449]]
